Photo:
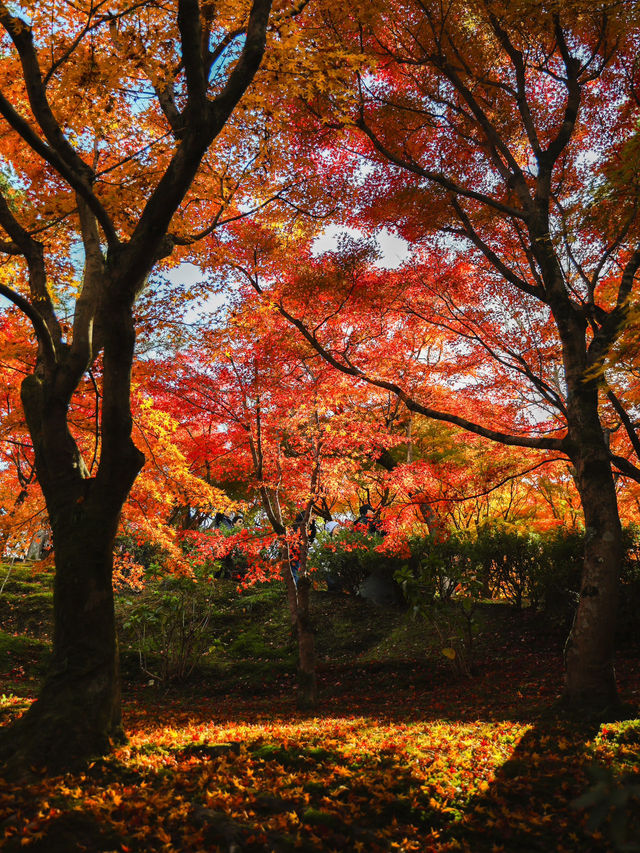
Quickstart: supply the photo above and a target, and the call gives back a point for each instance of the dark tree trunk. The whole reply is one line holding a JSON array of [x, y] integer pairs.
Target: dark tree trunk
[[301, 626], [77, 714], [292, 596], [307, 682], [590, 685], [589, 651]]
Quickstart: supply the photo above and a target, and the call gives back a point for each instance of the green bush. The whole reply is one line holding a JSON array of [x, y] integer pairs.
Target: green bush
[[555, 579], [345, 560], [508, 562], [441, 565], [169, 627], [441, 585], [539, 570]]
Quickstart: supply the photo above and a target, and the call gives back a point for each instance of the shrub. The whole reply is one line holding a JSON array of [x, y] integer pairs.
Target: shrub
[[555, 580], [345, 560], [507, 562], [612, 804], [144, 552], [169, 626], [208, 553], [453, 615], [442, 565]]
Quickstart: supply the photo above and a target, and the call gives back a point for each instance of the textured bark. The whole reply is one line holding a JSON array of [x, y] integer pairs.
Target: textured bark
[[589, 652], [292, 597], [77, 714], [301, 626]]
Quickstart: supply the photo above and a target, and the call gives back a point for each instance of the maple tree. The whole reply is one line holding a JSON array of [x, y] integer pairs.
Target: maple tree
[[165, 483], [474, 129], [478, 127], [261, 409], [107, 116]]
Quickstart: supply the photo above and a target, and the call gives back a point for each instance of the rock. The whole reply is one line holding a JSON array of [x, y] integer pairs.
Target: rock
[[381, 589]]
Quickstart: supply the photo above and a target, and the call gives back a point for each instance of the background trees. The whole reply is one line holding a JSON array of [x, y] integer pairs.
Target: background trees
[[476, 132]]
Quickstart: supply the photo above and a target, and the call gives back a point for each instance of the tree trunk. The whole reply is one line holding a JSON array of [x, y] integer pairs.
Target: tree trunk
[[589, 651], [301, 626], [77, 714], [307, 683], [292, 594]]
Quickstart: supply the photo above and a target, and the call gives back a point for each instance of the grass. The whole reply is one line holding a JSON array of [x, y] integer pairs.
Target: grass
[[26, 602], [400, 755]]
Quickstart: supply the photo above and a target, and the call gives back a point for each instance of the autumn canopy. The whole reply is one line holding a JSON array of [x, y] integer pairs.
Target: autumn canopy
[[186, 344]]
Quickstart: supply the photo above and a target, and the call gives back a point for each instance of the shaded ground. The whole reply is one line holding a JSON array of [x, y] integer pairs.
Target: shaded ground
[[401, 753]]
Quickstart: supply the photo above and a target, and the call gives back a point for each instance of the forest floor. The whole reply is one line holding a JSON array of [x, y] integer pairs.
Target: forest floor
[[402, 753]]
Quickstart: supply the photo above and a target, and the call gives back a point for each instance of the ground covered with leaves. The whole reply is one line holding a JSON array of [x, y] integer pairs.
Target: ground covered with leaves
[[401, 754]]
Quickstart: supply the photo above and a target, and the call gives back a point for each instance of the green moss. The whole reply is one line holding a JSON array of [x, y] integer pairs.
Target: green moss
[[26, 603], [626, 732], [252, 643], [315, 817], [24, 661], [16, 647], [25, 575]]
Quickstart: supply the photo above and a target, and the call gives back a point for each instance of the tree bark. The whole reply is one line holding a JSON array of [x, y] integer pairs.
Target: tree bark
[[301, 624], [307, 681], [589, 651], [292, 592], [77, 714]]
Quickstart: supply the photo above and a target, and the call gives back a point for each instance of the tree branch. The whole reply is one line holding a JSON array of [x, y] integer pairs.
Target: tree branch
[[200, 131], [614, 321], [436, 177], [493, 258], [626, 421], [626, 468], [33, 253], [40, 327], [190, 28], [538, 443], [67, 160], [24, 130]]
